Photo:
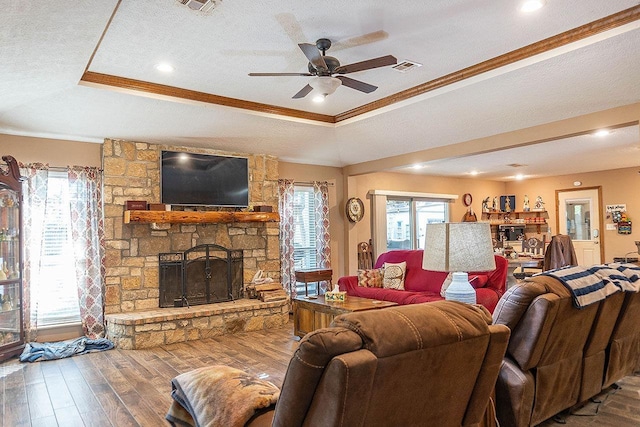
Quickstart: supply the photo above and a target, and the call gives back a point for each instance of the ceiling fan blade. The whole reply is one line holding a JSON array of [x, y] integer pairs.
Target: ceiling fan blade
[[357, 84], [382, 61], [373, 37], [313, 55], [279, 74], [303, 92]]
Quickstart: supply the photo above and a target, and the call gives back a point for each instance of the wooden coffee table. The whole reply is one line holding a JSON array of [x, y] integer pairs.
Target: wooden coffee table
[[311, 314]]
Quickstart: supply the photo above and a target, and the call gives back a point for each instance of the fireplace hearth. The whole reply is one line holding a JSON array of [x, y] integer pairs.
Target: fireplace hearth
[[204, 274]]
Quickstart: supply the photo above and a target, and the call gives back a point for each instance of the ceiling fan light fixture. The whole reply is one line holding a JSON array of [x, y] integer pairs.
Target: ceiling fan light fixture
[[324, 85]]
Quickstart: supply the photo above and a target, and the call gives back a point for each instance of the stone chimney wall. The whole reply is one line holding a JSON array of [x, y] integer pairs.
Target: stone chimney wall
[[132, 172]]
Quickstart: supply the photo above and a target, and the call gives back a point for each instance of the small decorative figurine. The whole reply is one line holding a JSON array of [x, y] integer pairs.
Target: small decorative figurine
[[495, 204], [539, 205], [507, 204], [525, 205], [485, 205]]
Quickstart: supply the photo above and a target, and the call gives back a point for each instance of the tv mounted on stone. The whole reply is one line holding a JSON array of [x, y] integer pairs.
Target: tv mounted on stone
[[204, 179]]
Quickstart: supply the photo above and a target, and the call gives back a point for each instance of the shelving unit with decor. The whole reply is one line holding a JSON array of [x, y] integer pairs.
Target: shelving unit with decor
[[11, 330], [530, 219]]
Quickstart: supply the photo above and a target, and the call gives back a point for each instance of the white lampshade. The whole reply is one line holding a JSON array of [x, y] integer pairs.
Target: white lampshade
[[459, 247], [324, 85]]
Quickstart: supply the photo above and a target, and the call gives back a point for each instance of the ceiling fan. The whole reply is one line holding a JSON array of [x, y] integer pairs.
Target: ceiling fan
[[323, 68]]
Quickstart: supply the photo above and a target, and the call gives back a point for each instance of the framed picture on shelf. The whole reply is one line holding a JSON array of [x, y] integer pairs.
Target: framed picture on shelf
[[507, 203]]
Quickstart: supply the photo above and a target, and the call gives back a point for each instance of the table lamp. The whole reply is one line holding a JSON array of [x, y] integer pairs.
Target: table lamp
[[459, 247]]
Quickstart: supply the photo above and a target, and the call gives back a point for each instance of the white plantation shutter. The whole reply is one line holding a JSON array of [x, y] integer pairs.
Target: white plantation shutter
[[304, 232], [57, 292]]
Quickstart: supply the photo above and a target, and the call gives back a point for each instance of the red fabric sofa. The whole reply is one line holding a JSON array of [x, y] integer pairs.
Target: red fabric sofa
[[424, 285]]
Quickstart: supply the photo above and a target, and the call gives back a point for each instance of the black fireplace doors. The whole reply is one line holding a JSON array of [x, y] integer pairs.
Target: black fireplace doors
[[204, 274]]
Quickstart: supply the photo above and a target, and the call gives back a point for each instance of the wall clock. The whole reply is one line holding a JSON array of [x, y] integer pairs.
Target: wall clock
[[355, 209], [467, 199]]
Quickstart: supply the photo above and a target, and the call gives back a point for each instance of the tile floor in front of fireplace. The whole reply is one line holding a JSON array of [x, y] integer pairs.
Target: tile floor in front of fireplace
[[132, 387]]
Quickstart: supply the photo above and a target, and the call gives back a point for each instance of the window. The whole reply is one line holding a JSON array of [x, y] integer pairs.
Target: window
[[55, 287], [407, 218], [399, 218], [304, 236]]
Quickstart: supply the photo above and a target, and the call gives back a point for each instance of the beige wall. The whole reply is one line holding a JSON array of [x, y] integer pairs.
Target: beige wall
[[56, 152], [618, 186], [307, 173]]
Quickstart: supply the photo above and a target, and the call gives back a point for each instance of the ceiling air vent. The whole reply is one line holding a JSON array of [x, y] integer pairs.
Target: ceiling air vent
[[201, 5], [516, 165], [406, 65]]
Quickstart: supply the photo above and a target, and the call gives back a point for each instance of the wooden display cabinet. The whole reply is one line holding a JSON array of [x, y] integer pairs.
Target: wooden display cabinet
[[11, 325]]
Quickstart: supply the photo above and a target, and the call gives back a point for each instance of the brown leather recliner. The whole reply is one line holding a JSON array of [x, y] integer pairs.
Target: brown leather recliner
[[623, 353], [423, 364], [595, 352]]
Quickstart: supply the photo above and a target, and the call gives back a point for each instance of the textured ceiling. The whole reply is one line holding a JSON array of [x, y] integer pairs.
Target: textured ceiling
[[47, 47]]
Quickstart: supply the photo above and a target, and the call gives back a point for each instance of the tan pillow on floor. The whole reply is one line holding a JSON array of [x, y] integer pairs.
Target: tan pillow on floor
[[394, 275]]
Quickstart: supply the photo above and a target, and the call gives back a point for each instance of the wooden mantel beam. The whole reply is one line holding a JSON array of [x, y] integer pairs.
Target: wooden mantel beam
[[198, 217]]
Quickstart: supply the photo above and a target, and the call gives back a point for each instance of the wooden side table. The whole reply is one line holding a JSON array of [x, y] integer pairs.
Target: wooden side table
[[312, 275], [312, 314]]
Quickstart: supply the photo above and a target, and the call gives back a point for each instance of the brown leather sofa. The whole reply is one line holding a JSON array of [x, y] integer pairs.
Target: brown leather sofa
[[423, 364], [559, 356]]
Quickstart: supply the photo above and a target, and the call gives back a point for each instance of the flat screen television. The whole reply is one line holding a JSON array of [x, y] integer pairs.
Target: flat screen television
[[203, 179]]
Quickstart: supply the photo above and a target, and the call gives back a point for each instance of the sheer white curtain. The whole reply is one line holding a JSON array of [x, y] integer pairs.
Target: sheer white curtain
[[33, 217]]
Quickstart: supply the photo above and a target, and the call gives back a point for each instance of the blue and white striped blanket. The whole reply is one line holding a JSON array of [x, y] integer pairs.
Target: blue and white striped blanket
[[592, 284]]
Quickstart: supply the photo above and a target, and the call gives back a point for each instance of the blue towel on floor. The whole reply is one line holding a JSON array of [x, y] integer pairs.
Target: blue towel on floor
[[35, 351]]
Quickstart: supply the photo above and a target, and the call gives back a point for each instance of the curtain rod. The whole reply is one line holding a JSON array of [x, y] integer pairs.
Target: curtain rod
[[65, 168], [330, 184]]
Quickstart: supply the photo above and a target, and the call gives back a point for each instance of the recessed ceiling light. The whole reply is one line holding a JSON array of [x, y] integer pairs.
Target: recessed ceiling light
[[602, 132], [417, 167], [519, 177], [474, 173], [532, 5], [165, 67]]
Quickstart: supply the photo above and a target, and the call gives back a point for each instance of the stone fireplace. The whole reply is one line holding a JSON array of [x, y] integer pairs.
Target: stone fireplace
[[131, 172]]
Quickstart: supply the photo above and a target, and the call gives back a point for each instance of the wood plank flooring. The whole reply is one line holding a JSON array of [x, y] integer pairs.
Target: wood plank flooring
[[132, 387]]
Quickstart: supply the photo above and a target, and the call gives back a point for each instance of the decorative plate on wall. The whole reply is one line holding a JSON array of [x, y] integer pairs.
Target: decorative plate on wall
[[467, 199], [355, 209]]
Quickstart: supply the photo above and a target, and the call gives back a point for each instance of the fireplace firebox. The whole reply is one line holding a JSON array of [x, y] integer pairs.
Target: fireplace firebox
[[204, 274]]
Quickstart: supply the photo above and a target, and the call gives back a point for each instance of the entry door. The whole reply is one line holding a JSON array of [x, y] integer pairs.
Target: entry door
[[579, 217]]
